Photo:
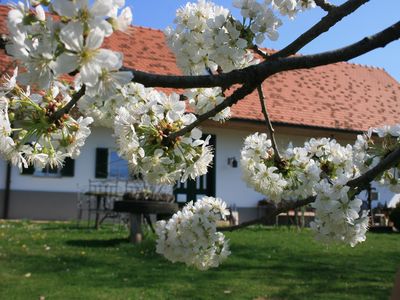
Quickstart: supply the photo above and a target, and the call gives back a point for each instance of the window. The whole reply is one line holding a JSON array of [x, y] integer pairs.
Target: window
[[110, 165], [48, 172], [118, 167], [67, 170]]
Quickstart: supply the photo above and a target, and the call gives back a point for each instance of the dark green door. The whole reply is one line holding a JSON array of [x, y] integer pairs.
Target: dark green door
[[202, 186]]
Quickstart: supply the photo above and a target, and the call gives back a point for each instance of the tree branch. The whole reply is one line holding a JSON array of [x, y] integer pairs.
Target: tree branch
[[335, 15], [224, 80], [258, 73], [260, 52], [240, 93], [365, 45], [241, 76], [357, 185], [325, 5], [388, 162], [268, 124], [269, 68], [64, 110]]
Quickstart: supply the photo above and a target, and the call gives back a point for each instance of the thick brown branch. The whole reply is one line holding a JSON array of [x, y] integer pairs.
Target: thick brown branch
[[365, 45], [333, 17], [258, 73], [224, 80], [239, 94], [64, 110], [268, 124], [325, 5], [241, 76]]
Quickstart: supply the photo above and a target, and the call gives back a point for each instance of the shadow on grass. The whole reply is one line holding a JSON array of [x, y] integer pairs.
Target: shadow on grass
[[270, 264], [97, 243], [76, 227], [318, 275]]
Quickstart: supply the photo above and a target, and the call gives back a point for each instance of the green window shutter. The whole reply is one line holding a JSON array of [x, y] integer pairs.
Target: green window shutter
[[101, 163], [28, 171], [68, 169]]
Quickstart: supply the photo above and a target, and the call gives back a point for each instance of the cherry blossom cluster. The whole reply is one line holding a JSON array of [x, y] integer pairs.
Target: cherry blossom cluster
[[260, 20], [29, 135], [103, 109], [207, 37], [68, 41], [291, 7], [202, 100], [320, 168], [142, 128], [191, 236], [338, 217], [259, 171]]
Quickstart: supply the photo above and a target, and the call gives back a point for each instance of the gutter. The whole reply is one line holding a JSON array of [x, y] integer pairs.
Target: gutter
[[300, 126]]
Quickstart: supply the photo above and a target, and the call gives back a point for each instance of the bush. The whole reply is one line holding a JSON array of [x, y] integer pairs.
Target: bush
[[395, 216]]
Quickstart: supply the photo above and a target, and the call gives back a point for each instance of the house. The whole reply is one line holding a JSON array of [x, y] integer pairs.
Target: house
[[337, 101]]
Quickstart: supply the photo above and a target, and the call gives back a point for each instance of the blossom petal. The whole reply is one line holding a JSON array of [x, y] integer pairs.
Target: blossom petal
[[101, 8], [65, 63], [64, 8], [90, 73], [109, 59], [95, 39], [72, 36]]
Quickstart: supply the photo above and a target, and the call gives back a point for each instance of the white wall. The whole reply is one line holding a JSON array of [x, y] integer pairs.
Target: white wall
[[229, 185], [84, 168]]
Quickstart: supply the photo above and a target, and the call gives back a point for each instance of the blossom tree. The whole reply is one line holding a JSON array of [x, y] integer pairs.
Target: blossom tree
[[69, 83]]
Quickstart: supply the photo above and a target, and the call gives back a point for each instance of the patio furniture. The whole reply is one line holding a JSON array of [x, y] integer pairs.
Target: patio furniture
[[138, 208], [98, 200]]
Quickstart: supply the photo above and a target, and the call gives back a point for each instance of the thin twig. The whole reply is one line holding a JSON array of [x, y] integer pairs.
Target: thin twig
[[240, 93], [260, 52], [64, 110], [268, 123]]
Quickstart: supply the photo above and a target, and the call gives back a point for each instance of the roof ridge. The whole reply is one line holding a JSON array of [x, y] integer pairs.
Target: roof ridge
[[146, 27]]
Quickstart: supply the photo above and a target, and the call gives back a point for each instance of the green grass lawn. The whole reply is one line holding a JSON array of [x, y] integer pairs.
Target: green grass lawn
[[59, 261]]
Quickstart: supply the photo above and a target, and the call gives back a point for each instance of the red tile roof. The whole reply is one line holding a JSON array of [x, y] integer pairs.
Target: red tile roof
[[340, 96]]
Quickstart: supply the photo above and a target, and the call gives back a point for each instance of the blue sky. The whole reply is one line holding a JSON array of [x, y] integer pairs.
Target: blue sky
[[370, 18]]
